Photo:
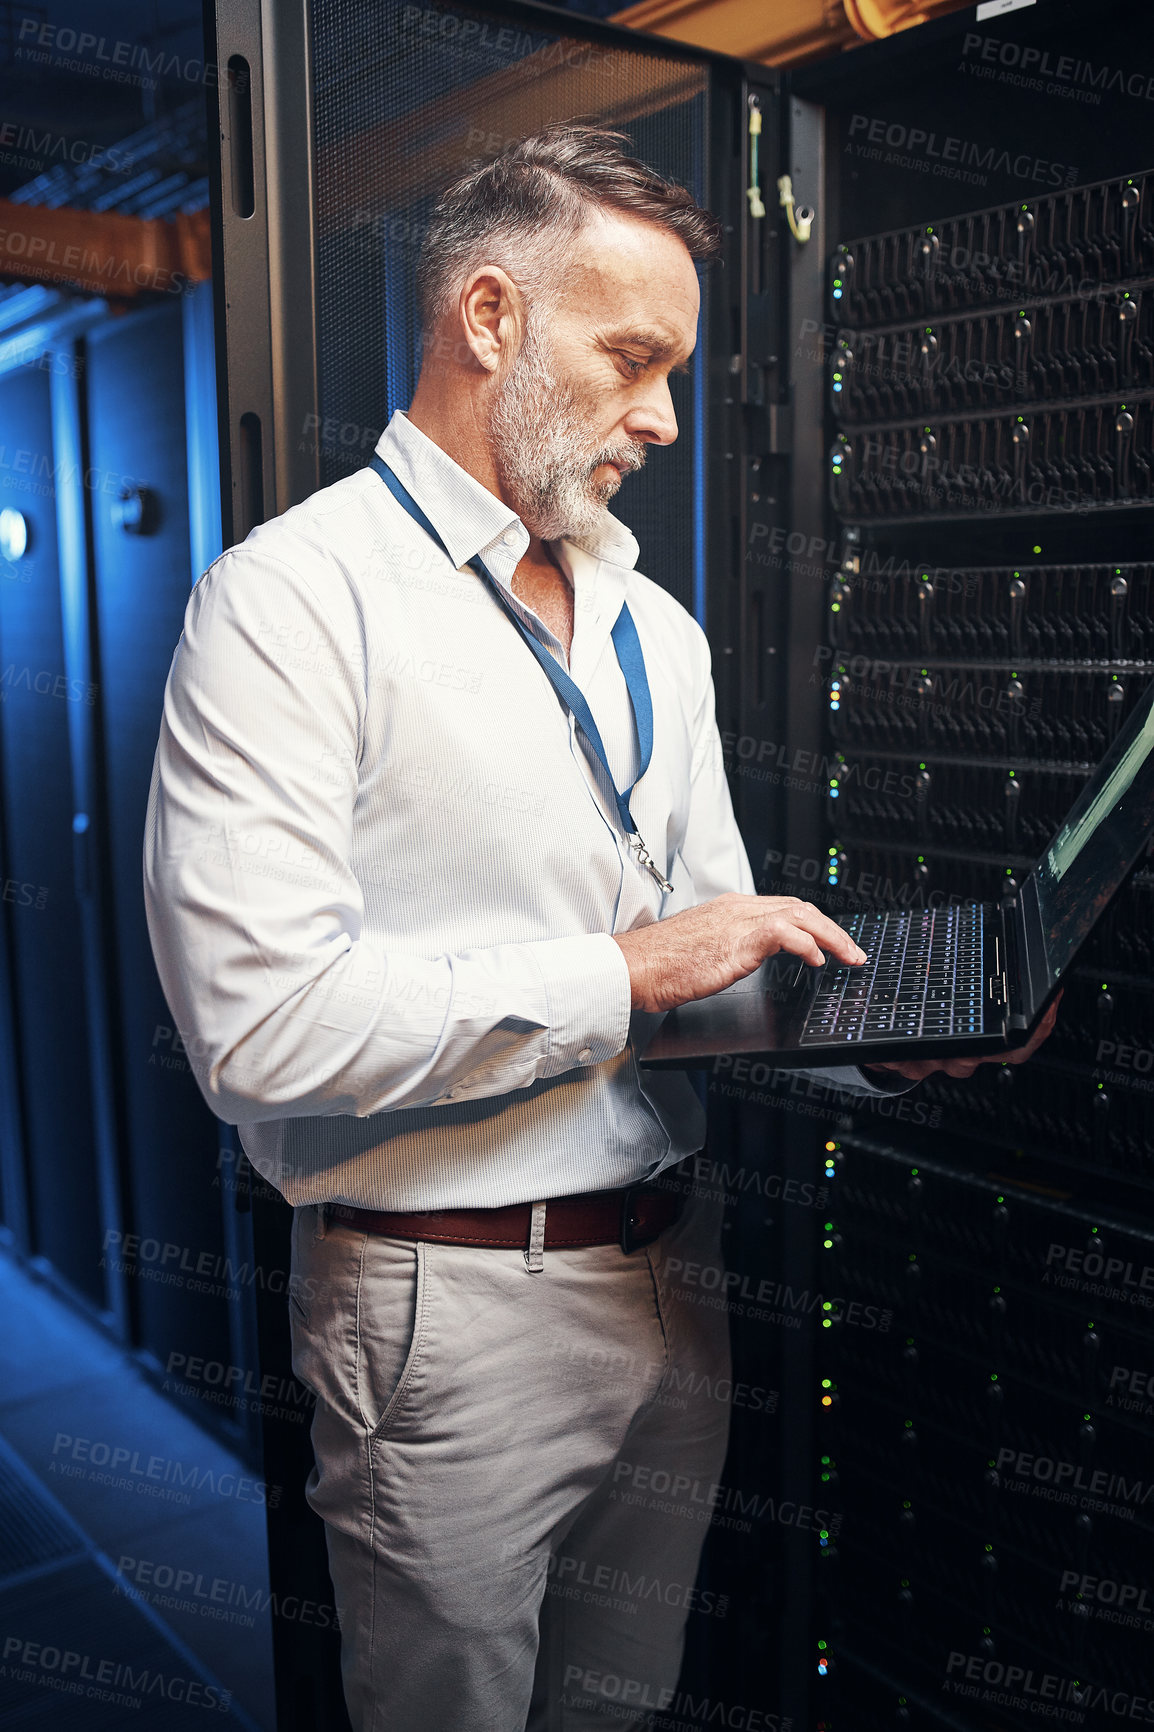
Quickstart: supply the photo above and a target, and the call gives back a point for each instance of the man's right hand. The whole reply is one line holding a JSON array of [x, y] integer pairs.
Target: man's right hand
[[703, 949]]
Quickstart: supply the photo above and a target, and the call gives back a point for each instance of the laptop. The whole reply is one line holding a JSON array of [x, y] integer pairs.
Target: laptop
[[940, 982]]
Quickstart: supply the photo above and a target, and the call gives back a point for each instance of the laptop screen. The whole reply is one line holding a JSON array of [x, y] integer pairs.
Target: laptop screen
[[1104, 833]]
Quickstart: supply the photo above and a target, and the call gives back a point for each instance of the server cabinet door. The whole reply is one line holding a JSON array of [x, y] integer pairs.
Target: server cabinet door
[[39, 908], [141, 581]]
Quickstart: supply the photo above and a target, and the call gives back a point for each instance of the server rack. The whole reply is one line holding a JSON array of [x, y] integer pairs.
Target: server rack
[[982, 629], [910, 691]]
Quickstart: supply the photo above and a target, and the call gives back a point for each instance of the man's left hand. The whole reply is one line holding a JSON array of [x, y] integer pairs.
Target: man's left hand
[[916, 1069]]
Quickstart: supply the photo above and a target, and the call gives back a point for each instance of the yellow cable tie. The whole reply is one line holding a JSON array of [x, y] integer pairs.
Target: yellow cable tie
[[799, 218]]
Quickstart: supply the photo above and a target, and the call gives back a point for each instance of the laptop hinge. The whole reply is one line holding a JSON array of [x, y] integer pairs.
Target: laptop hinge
[[1033, 976], [1018, 989]]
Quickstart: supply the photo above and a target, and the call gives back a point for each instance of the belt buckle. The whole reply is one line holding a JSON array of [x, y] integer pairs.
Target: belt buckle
[[629, 1222]]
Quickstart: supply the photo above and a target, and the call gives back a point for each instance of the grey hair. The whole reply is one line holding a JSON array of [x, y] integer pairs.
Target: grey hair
[[523, 209]]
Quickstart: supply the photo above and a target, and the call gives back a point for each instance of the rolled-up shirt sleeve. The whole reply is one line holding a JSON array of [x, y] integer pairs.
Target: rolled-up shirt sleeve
[[256, 915], [715, 853]]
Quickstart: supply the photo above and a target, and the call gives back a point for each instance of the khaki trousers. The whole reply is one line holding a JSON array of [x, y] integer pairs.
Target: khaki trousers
[[513, 1469]]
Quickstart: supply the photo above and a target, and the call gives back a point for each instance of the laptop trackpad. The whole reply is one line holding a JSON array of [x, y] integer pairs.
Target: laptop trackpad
[[753, 1015]]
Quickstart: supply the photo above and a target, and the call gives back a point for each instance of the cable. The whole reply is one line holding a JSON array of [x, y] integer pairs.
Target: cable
[[799, 217], [753, 191]]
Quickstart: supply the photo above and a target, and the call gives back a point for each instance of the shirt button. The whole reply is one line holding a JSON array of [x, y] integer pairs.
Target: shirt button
[[509, 537], [585, 1054]]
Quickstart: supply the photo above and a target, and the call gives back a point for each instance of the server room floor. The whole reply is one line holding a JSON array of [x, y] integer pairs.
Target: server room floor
[[133, 1569]]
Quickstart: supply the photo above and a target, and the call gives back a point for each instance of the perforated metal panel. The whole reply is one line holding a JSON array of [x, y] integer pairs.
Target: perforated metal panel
[[404, 97]]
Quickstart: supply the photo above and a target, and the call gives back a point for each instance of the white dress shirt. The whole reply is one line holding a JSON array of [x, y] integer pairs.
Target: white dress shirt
[[382, 867]]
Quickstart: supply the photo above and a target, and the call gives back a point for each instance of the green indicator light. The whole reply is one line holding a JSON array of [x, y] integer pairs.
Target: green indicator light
[[826, 1384], [1037, 550], [913, 1172], [821, 1645], [836, 607], [912, 1258], [993, 1377]]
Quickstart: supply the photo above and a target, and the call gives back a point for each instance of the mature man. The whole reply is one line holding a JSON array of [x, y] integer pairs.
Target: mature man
[[413, 925]]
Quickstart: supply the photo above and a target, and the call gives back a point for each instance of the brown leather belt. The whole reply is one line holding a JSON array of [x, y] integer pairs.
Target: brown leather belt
[[630, 1218]]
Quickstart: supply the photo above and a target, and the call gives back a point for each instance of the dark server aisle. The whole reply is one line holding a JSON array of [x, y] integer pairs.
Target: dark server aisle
[[133, 1562], [986, 624]]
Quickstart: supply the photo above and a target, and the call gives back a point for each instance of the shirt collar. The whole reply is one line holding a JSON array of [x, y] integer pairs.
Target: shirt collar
[[468, 518]]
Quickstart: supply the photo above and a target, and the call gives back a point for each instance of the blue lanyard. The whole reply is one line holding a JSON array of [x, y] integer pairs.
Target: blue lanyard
[[629, 656]]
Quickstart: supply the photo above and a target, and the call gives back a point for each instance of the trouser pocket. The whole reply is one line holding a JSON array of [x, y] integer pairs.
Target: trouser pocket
[[391, 1309], [356, 1303]]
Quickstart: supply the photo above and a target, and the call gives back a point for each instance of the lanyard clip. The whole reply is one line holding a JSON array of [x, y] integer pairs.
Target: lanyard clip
[[645, 859]]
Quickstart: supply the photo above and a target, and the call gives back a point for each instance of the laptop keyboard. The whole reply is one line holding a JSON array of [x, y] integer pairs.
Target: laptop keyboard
[[923, 977]]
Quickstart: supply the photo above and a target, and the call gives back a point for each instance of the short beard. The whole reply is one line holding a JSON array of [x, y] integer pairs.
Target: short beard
[[542, 452]]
